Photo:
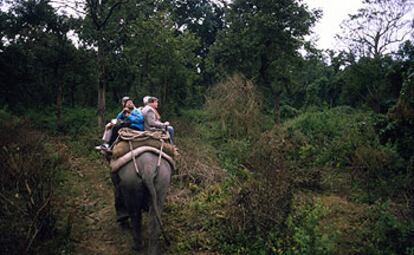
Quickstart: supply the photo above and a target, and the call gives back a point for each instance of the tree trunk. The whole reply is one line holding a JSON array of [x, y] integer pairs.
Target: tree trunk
[[101, 84], [59, 99], [277, 108], [59, 92]]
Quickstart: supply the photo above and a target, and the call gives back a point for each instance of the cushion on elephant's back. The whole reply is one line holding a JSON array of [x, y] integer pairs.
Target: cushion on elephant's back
[[123, 147]]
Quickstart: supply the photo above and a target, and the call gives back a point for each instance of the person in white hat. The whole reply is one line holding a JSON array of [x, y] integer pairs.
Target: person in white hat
[[152, 119]]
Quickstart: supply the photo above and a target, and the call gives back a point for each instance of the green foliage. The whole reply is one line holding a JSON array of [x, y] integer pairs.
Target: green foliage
[[261, 42], [349, 140], [386, 234], [75, 121], [162, 61], [196, 116], [333, 134], [308, 235], [371, 82], [44, 59], [287, 112]]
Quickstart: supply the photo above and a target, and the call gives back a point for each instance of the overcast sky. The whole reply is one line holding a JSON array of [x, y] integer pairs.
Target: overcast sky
[[334, 12]]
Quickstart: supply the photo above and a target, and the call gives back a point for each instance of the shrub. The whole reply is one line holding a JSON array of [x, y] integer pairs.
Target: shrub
[[198, 163], [375, 169], [385, 234], [280, 148], [287, 112], [307, 234], [236, 106], [259, 209], [334, 134], [262, 201], [75, 121], [28, 166]]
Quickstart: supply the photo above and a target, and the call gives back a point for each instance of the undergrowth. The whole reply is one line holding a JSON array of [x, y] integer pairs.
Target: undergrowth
[[29, 163]]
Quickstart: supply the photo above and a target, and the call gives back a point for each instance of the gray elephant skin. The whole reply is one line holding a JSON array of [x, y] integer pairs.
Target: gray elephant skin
[[135, 190]]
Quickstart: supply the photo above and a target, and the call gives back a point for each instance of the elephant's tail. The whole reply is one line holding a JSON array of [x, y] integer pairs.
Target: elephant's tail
[[149, 182]]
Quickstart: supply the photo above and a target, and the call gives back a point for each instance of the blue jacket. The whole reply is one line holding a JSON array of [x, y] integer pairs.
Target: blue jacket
[[137, 122], [135, 118], [135, 112]]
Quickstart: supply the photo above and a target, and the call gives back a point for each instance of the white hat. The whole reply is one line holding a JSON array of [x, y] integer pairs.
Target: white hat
[[124, 99], [145, 100]]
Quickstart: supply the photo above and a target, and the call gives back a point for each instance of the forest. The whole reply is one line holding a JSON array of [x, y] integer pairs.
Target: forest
[[285, 148]]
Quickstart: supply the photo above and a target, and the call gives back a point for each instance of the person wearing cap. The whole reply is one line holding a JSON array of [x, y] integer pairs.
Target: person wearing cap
[[152, 118], [112, 128]]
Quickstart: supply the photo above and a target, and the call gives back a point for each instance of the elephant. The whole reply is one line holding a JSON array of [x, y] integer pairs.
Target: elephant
[[136, 190]]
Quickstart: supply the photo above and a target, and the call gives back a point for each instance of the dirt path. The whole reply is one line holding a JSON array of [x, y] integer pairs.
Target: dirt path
[[86, 197]]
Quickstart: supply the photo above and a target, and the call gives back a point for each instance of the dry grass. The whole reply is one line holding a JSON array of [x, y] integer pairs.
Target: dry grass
[[26, 187], [236, 105], [197, 163]]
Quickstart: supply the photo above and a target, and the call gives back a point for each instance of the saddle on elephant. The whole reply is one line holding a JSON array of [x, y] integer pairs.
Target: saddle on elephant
[[133, 143]]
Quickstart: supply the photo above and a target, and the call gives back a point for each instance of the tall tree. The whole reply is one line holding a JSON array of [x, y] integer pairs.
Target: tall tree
[[262, 41], [98, 14], [204, 18], [376, 27], [163, 62]]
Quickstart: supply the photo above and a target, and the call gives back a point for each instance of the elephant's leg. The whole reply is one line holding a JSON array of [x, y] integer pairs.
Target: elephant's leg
[[132, 189], [136, 222], [120, 207]]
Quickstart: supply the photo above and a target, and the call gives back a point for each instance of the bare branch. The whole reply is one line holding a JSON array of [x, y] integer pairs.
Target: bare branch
[[113, 7], [378, 25]]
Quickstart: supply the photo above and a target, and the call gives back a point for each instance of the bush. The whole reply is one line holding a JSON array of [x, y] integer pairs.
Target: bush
[[198, 163], [259, 208], [307, 234], [376, 170], [385, 234], [262, 201], [28, 166], [75, 121], [334, 134], [287, 112], [236, 106]]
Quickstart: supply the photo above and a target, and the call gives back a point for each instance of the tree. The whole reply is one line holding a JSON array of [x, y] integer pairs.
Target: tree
[[98, 14], [37, 40], [204, 18], [376, 27], [262, 41], [162, 61]]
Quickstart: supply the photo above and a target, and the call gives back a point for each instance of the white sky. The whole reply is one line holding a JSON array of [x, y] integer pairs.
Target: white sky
[[334, 12]]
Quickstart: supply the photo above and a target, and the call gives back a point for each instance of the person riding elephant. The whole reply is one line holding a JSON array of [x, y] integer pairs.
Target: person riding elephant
[[111, 129], [152, 118]]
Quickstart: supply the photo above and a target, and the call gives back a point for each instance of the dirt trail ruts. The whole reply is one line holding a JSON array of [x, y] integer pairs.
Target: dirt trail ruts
[[85, 199]]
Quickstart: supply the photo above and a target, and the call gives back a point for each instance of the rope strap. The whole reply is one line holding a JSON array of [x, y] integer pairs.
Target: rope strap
[[133, 158]]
